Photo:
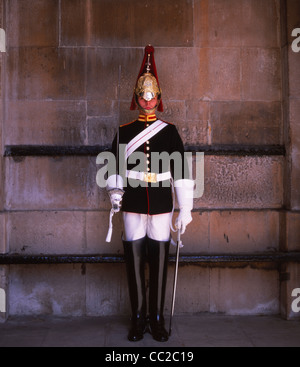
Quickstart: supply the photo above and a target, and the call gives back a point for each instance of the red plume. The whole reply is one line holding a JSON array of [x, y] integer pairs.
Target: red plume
[[149, 50]]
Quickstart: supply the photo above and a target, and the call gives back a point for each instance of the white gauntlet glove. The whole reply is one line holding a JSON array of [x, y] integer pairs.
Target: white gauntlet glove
[[184, 192], [114, 186], [116, 196]]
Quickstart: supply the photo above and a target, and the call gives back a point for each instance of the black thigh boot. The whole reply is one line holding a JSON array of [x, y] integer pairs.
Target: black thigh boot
[[158, 255], [135, 258]]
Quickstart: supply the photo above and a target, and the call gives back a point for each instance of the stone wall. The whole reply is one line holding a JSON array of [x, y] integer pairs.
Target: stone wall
[[229, 79]]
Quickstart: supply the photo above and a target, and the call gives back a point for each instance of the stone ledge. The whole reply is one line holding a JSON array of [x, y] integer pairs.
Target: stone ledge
[[201, 259], [92, 150]]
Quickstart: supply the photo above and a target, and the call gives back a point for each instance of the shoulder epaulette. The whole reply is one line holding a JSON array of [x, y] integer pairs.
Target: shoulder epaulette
[[127, 123]]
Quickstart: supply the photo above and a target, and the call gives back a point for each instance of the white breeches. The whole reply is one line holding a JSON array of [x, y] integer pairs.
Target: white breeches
[[156, 227]]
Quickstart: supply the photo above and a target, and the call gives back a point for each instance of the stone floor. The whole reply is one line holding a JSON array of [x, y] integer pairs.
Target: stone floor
[[201, 330]]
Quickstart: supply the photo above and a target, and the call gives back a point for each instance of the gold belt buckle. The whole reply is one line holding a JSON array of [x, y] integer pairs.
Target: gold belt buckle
[[150, 177]]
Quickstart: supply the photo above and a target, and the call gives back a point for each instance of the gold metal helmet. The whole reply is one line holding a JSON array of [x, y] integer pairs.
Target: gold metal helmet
[[147, 88], [147, 85]]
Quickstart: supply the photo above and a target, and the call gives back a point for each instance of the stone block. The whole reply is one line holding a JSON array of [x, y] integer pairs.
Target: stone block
[[47, 290], [244, 231], [197, 236], [294, 133], [31, 24], [178, 73], [96, 231], [194, 133], [44, 183], [295, 179], [285, 78], [46, 232], [246, 123], [101, 130], [75, 22], [106, 290], [101, 108], [193, 290], [45, 123], [3, 239], [242, 182], [294, 77], [46, 73], [261, 74], [236, 23], [219, 78], [68, 290], [127, 24], [2, 13], [103, 74], [293, 231], [104, 117], [244, 291], [195, 128], [174, 111], [237, 231]]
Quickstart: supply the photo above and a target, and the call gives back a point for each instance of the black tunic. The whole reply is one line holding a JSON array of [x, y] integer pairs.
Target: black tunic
[[149, 198]]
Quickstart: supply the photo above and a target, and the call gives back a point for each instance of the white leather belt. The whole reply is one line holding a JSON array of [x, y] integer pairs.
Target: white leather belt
[[148, 176]]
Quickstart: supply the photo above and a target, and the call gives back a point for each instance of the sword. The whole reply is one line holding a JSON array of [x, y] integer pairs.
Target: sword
[[179, 244]]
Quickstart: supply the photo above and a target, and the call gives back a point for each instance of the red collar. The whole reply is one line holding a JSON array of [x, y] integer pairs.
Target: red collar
[[147, 118]]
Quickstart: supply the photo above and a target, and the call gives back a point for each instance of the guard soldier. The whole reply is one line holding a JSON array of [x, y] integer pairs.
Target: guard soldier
[[147, 201]]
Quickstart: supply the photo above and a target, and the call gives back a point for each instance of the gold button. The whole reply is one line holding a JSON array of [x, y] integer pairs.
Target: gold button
[[147, 142], [148, 155], [148, 169], [148, 148]]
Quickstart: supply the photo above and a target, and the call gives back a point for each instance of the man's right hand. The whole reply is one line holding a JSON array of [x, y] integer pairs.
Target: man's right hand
[[116, 199]]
